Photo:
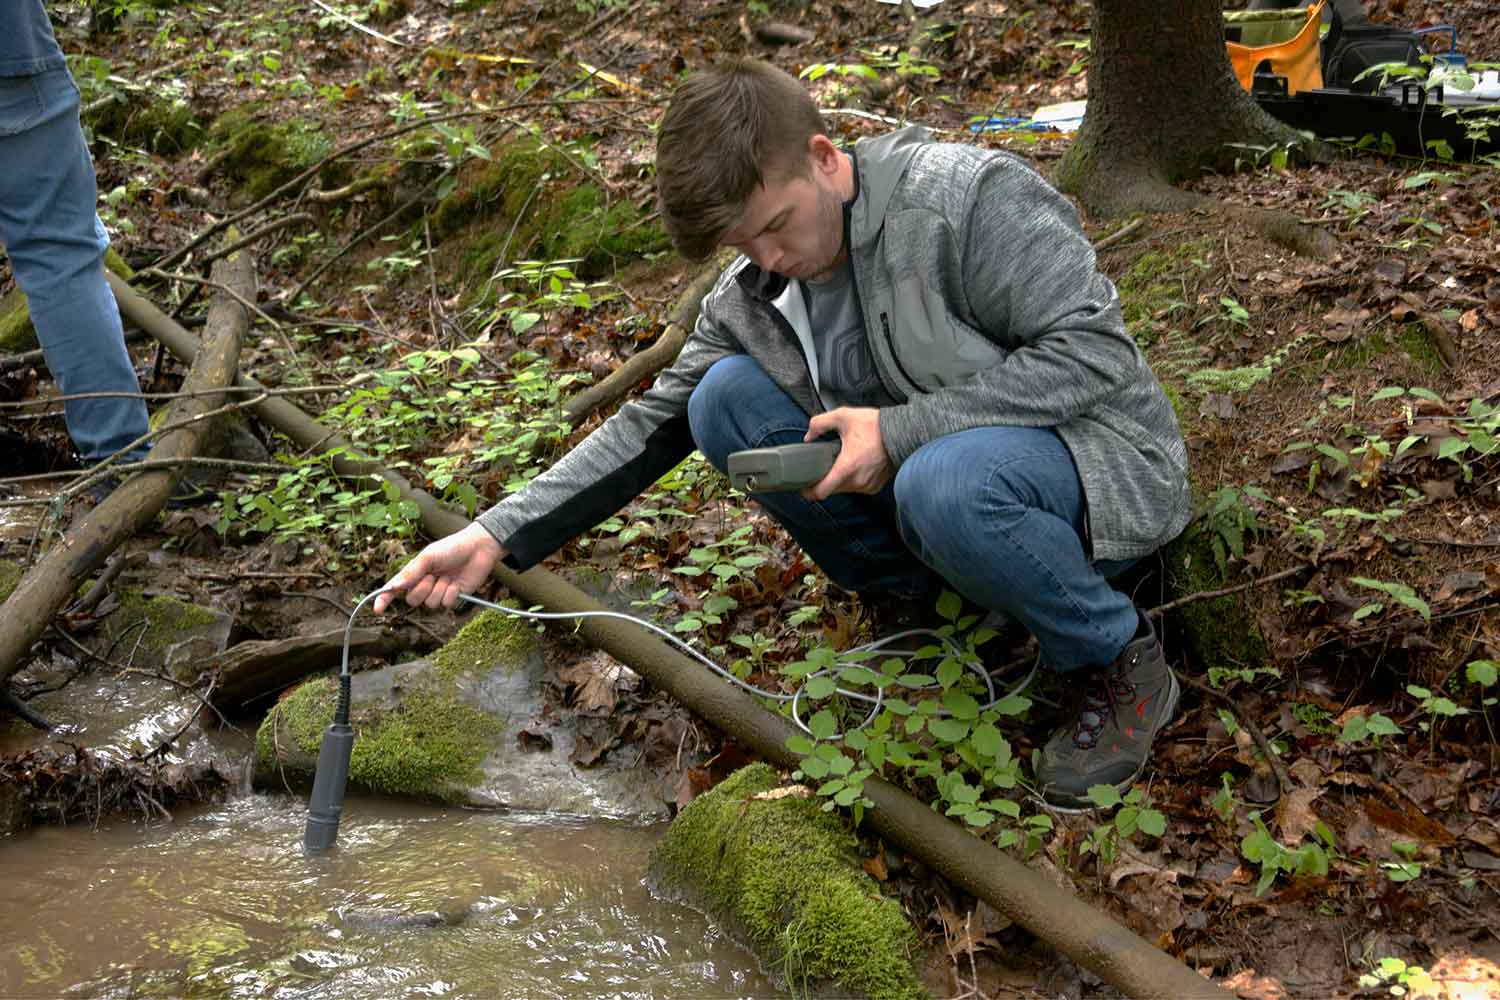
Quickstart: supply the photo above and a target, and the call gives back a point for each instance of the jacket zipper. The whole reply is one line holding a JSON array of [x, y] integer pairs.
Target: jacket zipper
[[890, 345]]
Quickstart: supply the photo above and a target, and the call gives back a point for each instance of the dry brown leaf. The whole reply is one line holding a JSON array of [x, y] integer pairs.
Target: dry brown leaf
[[1294, 814], [1246, 983]]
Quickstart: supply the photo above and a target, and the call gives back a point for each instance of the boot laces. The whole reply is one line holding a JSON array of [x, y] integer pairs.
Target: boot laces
[[1107, 690]]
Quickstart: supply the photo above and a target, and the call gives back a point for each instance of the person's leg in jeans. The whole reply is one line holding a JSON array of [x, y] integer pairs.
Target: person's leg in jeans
[[851, 536], [999, 513], [56, 245]]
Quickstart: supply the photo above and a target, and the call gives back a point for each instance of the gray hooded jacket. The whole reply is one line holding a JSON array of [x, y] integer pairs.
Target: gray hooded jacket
[[983, 306]]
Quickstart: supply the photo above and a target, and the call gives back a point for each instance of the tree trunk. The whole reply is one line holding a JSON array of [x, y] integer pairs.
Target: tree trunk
[[1163, 107]]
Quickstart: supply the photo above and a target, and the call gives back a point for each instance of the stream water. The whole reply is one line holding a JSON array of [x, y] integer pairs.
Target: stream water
[[415, 901]]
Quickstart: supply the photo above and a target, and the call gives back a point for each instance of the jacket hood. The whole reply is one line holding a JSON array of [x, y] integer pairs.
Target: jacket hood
[[879, 164]]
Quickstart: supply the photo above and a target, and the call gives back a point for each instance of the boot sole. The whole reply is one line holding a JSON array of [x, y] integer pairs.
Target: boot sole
[[1076, 806]]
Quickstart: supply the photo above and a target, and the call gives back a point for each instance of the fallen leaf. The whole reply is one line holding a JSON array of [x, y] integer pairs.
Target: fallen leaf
[[1246, 983], [1469, 321], [1294, 814], [1343, 321]]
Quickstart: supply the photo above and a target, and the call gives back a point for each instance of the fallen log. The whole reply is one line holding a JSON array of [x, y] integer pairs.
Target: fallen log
[[1091, 938], [254, 670], [57, 575]]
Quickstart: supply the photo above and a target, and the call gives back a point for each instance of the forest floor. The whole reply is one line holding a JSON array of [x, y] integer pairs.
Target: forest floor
[[1339, 413]]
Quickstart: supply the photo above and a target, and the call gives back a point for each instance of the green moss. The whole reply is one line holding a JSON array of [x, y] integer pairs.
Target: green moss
[[1151, 284], [168, 618], [10, 575], [786, 876], [432, 744], [300, 717], [262, 156], [1357, 353], [529, 202], [1221, 632], [166, 126], [1417, 343], [580, 225], [16, 331], [492, 637]]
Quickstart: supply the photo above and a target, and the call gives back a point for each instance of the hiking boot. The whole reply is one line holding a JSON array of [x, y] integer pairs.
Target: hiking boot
[[189, 492], [1108, 740]]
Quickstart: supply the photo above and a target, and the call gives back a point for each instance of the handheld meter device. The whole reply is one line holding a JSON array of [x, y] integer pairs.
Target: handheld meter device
[[783, 467]]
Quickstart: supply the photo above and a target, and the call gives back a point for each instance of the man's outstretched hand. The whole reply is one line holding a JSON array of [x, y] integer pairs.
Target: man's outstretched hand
[[446, 568]]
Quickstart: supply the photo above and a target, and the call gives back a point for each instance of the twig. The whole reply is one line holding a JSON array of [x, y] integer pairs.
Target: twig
[[372, 230], [355, 24], [1204, 595], [266, 230], [1119, 234], [1283, 777], [100, 587], [110, 464], [149, 464], [21, 710], [227, 390]]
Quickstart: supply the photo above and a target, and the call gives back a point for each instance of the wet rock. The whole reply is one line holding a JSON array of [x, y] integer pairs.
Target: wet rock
[[468, 725]]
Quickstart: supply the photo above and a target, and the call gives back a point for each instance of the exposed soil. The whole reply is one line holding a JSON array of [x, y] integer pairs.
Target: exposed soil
[[1285, 370]]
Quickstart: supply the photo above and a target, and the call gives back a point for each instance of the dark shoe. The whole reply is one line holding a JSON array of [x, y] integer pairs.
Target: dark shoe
[[188, 492], [1108, 741]]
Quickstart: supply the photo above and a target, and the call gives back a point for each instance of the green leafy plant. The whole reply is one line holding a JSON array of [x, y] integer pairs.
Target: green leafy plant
[[1309, 858], [1398, 977], [1407, 867], [722, 563], [1229, 519], [1358, 728], [1399, 591], [1233, 380], [1436, 707], [1483, 673], [1133, 815], [931, 730]]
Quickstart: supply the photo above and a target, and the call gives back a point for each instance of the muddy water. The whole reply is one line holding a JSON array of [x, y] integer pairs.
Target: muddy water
[[415, 901]]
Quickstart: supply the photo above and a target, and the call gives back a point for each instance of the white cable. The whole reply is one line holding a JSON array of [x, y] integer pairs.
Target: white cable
[[876, 700]]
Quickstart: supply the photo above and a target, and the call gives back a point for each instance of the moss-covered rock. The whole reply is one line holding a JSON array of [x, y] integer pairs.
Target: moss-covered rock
[[785, 876], [429, 746], [469, 725], [161, 125], [16, 331], [1221, 632], [261, 155], [166, 630], [530, 201]]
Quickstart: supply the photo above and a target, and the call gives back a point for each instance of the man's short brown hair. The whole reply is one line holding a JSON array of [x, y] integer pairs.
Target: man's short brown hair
[[728, 129]]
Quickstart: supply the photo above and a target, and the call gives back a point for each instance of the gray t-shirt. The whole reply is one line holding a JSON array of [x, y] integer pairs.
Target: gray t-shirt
[[846, 367]]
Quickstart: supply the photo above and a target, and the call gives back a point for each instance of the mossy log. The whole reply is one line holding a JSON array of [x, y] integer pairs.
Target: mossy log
[[785, 877], [57, 576], [1091, 938]]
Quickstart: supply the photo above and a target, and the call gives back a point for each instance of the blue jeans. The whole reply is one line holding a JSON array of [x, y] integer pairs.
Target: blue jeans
[[56, 245], [996, 512]]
